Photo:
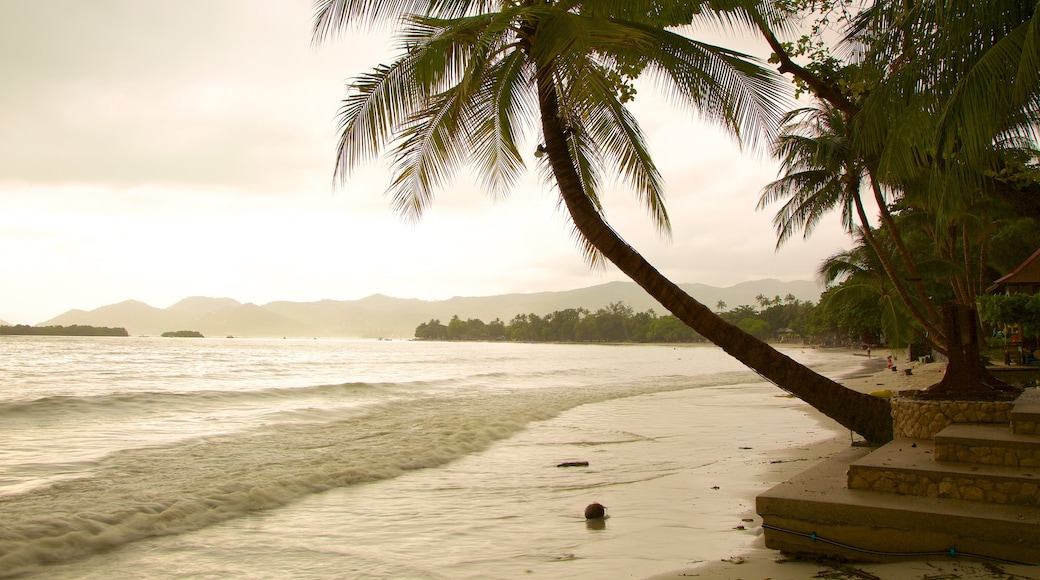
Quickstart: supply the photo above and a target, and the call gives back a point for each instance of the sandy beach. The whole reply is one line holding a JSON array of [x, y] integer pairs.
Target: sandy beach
[[761, 563]]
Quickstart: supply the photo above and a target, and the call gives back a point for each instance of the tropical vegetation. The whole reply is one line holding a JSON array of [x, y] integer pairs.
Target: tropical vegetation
[[930, 117], [776, 320], [71, 330], [929, 106], [182, 334]]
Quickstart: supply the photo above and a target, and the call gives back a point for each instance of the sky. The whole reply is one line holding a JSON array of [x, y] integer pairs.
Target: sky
[[155, 150]]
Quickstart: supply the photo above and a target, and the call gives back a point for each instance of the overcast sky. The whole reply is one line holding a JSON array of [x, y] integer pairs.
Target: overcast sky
[[159, 149]]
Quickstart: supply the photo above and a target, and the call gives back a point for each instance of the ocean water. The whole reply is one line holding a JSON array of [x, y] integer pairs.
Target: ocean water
[[238, 458]]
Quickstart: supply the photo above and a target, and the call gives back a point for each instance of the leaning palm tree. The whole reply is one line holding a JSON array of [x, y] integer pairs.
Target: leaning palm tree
[[473, 75]]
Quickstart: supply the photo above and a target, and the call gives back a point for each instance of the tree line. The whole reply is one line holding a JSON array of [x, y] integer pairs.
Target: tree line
[[782, 319], [73, 330]]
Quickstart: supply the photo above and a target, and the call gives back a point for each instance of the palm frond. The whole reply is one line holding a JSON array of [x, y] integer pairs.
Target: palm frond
[[810, 195], [619, 141], [502, 108], [431, 149], [992, 91], [378, 103], [819, 173], [724, 86], [331, 16]]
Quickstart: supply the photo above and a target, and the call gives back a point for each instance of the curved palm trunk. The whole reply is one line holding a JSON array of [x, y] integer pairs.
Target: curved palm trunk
[[934, 337], [866, 415], [904, 253]]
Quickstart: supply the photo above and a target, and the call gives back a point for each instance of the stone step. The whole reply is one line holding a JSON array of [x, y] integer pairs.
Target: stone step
[[815, 513], [987, 445], [1025, 415], [909, 467]]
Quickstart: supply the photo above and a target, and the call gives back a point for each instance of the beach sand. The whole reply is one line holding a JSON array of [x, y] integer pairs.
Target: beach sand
[[760, 563]]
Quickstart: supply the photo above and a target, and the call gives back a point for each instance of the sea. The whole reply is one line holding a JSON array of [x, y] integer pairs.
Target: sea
[[148, 457]]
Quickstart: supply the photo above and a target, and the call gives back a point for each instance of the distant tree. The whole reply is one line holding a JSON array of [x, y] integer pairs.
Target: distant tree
[[755, 327], [73, 330], [1006, 312], [182, 334], [671, 329], [496, 330], [432, 330], [739, 313]]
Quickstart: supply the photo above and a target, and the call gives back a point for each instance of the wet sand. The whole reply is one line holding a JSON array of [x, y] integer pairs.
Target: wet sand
[[759, 562]]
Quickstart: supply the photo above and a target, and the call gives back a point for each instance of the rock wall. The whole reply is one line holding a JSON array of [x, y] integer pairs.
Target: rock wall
[[923, 418]]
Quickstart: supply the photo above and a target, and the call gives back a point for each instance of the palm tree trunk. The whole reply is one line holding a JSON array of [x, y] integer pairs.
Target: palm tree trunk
[[869, 416], [939, 342], [908, 260], [959, 279]]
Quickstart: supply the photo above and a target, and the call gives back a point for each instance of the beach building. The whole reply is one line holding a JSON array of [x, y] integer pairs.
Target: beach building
[[1025, 279]]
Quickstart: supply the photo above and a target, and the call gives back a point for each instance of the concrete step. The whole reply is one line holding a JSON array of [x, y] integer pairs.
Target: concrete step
[[987, 445], [909, 467], [1025, 415], [815, 513]]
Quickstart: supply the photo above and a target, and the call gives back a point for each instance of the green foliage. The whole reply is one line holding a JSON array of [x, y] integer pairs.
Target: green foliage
[[432, 330], [755, 327], [618, 322], [182, 334], [739, 313], [825, 18], [74, 330], [1012, 244], [850, 311], [670, 329], [938, 107], [1001, 311]]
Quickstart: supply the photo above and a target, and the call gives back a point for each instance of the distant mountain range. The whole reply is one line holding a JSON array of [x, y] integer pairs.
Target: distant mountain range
[[382, 316]]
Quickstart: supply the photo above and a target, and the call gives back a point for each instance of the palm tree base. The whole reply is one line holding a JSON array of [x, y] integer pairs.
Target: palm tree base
[[966, 377]]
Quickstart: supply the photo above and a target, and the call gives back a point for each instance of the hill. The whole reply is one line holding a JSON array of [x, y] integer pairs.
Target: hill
[[384, 316]]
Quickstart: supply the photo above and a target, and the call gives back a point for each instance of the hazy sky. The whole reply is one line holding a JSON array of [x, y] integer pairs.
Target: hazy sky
[[159, 149]]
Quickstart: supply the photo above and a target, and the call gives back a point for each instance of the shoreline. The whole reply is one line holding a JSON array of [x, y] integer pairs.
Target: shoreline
[[758, 561]]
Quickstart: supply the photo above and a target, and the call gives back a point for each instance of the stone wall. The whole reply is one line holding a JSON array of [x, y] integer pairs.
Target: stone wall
[[1025, 427], [996, 454], [923, 418], [982, 488]]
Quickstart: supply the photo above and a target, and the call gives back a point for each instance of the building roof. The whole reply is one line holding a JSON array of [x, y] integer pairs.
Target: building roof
[[1026, 274]]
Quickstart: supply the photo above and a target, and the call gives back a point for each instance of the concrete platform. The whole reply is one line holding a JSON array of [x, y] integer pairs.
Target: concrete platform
[[908, 467], [816, 513], [1025, 415], [987, 445]]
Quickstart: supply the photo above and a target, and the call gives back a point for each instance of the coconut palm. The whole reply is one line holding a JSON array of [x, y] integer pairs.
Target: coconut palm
[[974, 65], [473, 75], [821, 173], [941, 95], [857, 274]]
